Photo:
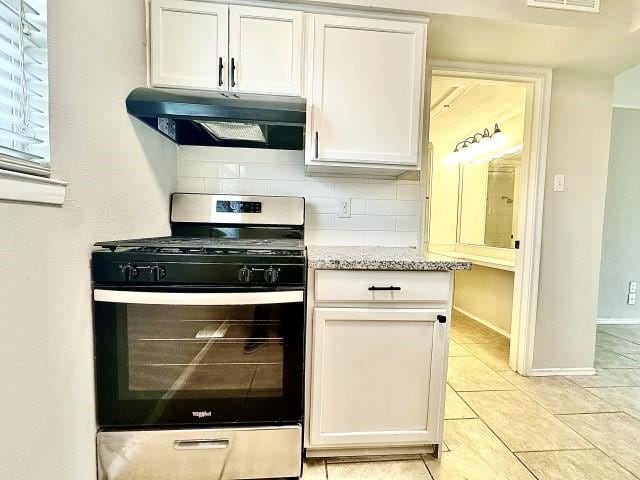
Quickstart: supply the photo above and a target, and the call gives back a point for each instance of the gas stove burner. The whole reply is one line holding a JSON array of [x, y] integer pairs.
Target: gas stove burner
[[210, 246]]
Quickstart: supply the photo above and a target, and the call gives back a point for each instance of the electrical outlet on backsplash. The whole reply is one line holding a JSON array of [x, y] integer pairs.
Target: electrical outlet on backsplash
[[383, 211]]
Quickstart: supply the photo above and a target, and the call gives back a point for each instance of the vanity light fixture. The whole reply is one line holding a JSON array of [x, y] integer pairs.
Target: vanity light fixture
[[476, 145]]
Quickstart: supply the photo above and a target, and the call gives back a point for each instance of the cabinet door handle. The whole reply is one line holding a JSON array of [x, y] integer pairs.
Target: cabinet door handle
[[220, 67], [317, 144], [442, 318], [389, 288], [233, 72]]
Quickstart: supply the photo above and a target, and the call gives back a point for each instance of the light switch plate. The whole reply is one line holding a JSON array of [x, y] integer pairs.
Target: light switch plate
[[633, 287], [631, 300], [558, 183]]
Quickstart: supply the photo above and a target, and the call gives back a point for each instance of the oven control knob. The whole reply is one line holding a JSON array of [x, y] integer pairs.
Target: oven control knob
[[244, 274], [271, 275], [159, 272], [129, 272]]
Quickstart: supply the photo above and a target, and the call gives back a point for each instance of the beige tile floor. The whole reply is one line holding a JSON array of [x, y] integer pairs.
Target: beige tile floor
[[501, 426]]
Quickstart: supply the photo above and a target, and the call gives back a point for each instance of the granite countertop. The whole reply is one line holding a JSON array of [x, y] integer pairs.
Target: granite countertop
[[381, 258]]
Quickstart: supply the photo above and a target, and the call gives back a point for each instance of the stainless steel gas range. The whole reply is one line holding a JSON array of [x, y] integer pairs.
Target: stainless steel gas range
[[199, 343]]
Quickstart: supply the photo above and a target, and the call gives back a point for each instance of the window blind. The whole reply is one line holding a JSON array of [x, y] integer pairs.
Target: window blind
[[24, 91]]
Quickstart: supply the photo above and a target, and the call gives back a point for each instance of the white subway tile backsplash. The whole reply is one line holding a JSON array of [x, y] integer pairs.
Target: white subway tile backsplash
[[190, 185], [334, 237], [390, 239], [366, 190], [407, 223], [391, 207], [241, 155], [208, 169], [321, 205], [366, 222], [358, 206], [408, 191], [384, 211], [300, 188], [282, 172], [323, 221], [236, 186]]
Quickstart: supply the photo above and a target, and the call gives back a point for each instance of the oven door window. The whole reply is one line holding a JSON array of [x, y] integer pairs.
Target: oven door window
[[180, 363]]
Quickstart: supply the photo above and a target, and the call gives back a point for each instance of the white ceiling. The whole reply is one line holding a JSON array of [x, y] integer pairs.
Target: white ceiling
[[507, 31], [461, 107]]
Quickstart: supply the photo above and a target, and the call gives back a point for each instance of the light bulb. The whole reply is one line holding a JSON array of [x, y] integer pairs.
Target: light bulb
[[453, 158], [475, 149], [498, 138]]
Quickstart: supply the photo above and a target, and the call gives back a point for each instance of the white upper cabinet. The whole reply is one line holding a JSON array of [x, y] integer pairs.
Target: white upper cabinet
[[189, 44], [212, 46], [265, 50], [367, 90]]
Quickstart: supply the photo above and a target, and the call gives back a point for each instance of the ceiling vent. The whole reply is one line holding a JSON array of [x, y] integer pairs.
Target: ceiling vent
[[592, 6]]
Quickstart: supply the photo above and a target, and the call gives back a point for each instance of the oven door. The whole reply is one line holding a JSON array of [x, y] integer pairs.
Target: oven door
[[167, 358]]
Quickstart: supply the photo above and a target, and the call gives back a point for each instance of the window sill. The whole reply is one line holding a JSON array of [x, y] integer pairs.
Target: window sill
[[20, 187]]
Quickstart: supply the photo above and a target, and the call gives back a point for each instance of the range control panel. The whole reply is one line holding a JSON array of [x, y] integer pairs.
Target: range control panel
[[236, 206]]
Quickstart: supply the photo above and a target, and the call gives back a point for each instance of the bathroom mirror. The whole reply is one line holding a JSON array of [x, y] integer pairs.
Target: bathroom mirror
[[488, 203]]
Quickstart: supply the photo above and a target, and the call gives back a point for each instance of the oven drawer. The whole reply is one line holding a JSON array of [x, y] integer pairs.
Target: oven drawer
[[381, 286], [200, 454]]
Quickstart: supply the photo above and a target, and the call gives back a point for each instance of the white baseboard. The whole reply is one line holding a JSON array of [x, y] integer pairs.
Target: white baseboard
[[548, 372], [484, 322], [618, 321]]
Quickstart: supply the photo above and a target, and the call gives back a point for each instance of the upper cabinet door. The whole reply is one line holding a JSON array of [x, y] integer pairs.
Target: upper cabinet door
[[265, 50], [189, 44], [367, 90]]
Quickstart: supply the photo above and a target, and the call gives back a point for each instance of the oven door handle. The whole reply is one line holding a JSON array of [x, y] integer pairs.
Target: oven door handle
[[188, 298], [207, 444]]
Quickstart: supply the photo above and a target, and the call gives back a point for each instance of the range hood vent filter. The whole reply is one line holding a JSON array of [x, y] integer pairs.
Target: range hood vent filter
[[247, 132]]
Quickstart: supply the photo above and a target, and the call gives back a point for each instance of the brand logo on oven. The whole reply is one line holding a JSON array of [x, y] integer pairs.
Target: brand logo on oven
[[202, 414]]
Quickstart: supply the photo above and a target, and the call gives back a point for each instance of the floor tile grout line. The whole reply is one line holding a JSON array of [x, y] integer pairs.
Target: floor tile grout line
[[620, 354], [617, 336], [597, 447], [509, 449], [562, 450], [465, 402], [426, 465], [550, 413]]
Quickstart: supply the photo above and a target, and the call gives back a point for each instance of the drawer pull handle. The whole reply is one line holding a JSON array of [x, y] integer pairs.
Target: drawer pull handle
[[200, 444], [390, 288]]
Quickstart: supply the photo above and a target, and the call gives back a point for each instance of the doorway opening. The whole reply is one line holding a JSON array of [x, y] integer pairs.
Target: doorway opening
[[487, 145]]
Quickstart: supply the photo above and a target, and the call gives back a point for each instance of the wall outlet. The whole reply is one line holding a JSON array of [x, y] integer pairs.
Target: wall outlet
[[631, 300], [558, 183], [633, 287], [344, 208]]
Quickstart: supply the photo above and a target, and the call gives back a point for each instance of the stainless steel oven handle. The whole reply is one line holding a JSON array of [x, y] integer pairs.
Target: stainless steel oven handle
[[217, 444], [187, 298]]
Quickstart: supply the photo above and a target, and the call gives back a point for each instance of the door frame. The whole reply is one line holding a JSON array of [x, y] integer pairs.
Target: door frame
[[525, 288]]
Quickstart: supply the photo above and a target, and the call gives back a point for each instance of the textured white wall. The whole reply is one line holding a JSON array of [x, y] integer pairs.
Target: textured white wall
[[621, 237], [627, 89], [580, 127], [120, 175], [383, 212]]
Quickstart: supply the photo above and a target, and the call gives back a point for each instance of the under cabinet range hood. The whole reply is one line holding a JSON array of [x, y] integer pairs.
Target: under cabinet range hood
[[222, 118]]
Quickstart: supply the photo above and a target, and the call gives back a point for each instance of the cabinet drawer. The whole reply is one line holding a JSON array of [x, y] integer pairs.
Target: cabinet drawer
[[200, 454], [375, 286]]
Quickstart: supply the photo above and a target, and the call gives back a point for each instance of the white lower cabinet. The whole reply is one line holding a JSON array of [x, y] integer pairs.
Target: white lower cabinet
[[377, 376]]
